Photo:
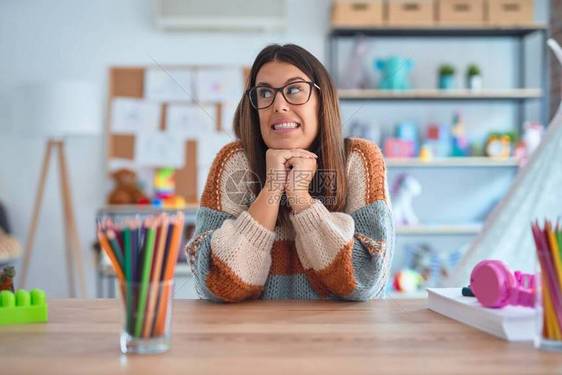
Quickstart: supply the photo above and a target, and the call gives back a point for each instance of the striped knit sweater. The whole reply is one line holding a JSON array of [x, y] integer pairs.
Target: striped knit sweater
[[318, 255]]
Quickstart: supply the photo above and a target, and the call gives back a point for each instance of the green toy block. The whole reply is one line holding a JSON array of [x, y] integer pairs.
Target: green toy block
[[23, 307]]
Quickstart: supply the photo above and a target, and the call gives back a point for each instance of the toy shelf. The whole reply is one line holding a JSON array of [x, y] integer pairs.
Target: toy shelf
[[435, 229], [462, 31], [452, 162], [435, 94]]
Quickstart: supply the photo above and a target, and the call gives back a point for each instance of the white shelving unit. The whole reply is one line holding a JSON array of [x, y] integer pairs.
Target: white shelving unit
[[434, 94], [518, 95], [436, 229], [452, 162]]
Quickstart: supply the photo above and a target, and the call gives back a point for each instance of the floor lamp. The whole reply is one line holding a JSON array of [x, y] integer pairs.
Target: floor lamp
[[55, 112]]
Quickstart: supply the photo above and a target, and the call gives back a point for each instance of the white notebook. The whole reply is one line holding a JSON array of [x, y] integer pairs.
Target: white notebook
[[509, 323]]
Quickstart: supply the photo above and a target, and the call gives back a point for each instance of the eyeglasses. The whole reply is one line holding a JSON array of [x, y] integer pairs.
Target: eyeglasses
[[296, 93]]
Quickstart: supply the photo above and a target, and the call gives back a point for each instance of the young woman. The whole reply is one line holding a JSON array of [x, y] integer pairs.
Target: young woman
[[291, 210]]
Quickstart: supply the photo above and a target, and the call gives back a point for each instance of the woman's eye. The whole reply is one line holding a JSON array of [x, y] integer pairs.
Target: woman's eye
[[264, 93], [293, 90]]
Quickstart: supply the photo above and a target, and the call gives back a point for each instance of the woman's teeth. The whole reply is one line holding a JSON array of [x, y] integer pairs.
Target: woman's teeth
[[286, 125]]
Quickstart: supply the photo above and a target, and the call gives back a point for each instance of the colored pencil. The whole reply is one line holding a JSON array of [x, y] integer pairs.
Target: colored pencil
[[168, 274], [155, 276], [145, 277]]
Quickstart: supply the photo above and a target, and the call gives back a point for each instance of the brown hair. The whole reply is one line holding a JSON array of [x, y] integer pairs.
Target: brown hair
[[328, 145]]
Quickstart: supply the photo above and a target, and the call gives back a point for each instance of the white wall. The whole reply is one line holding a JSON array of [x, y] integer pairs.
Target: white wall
[[80, 39]]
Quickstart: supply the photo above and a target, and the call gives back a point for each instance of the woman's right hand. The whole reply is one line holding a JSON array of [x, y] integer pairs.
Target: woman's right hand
[[276, 166]]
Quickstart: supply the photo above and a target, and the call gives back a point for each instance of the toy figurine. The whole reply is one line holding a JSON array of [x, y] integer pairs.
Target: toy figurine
[[165, 189], [459, 143]]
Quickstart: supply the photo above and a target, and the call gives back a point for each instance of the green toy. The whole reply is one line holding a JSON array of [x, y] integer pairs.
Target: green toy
[[23, 307]]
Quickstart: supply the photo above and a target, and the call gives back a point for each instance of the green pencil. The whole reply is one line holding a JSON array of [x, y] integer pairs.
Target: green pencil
[[127, 269], [145, 277]]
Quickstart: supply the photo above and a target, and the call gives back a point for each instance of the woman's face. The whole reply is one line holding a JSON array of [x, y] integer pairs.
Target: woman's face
[[284, 125]]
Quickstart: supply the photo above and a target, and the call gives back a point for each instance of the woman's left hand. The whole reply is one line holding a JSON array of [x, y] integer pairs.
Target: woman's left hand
[[298, 181]]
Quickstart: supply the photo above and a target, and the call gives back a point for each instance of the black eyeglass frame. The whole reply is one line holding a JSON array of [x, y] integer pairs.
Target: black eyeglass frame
[[280, 89]]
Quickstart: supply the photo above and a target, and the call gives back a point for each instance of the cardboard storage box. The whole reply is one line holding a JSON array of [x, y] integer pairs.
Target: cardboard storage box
[[460, 13], [510, 12], [357, 13], [411, 13]]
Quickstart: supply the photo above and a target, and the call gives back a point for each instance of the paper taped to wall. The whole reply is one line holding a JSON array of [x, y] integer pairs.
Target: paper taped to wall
[[133, 116], [159, 149]]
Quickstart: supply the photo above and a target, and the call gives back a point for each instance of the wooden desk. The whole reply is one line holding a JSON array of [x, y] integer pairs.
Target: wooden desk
[[383, 337]]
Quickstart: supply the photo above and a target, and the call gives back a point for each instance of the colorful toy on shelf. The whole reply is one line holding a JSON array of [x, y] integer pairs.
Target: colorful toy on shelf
[[165, 189], [394, 73], [532, 136], [7, 278], [426, 153], [126, 190], [431, 264], [408, 131], [459, 143], [23, 307], [498, 145], [405, 189], [407, 281], [398, 148], [164, 183], [438, 138]]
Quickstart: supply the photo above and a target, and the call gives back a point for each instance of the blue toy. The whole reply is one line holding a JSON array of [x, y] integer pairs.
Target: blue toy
[[394, 73]]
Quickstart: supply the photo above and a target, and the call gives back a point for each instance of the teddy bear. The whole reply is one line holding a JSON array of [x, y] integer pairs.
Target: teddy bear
[[126, 189]]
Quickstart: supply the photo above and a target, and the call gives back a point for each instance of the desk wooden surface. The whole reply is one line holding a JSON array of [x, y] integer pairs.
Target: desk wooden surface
[[383, 337]]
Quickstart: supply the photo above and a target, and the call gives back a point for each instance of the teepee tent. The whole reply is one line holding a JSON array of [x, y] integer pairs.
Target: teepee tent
[[535, 194]]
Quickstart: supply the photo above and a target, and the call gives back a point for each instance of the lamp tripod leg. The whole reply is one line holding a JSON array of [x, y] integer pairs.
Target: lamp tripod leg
[[35, 214]]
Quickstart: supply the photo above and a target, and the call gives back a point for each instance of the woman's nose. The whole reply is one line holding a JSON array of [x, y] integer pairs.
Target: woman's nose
[[279, 103]]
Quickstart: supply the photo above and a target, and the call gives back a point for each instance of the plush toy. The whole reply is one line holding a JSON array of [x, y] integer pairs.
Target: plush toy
[[7, 278], [405, 189], [394, 73], [126, 190]]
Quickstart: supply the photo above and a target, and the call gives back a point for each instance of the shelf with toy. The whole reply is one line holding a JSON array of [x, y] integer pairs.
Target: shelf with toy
[[439, 94], [439, 229], [452, 162], [461, 31]]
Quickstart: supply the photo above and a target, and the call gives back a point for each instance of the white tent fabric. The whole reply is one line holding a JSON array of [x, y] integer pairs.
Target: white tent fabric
[[536, 194]]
